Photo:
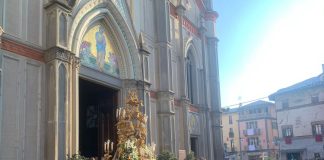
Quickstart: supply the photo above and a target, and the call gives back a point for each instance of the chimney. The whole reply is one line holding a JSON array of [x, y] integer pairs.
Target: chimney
[[323, 68]]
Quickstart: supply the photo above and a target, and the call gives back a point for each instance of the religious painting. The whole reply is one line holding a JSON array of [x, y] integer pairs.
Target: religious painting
[[97, 51], [193, 123]]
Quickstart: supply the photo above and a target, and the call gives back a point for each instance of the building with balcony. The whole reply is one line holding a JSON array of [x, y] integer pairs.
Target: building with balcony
[[258, 130], [300, 117], [231, 133]]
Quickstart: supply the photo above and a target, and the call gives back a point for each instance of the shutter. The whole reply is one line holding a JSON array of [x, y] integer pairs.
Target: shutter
[[283, 132], [314, 129]]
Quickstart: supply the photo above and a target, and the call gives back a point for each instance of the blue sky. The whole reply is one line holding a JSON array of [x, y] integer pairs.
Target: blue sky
[[266, 45]]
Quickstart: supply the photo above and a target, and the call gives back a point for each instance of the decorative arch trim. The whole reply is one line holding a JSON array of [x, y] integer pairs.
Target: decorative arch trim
[[190, 46], [96, 10]]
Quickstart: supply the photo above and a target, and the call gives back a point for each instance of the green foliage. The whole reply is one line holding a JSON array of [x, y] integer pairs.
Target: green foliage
[[77, 157], [166, 156], [190, 156]]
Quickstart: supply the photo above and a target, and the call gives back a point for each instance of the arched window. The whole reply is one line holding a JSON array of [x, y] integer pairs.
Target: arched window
[[61, 112], [191, 81], [63, 30]]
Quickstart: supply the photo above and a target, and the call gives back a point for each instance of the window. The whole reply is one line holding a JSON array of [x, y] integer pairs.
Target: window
[[170, 71], [287, 131], [285, 104], [190, 67], [251, 125], [231, 133], [259, 110], [266, 110], [317, 155], [318, 129], [230, 119], [274, 125], [253, 141], [315, 99], [146, 68]]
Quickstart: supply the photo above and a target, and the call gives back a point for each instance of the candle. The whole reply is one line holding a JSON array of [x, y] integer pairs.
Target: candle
[[105, 147], [112, 146]]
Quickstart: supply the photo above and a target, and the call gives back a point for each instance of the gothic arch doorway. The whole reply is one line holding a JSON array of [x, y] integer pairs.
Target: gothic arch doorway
[[99, 87], [97, 108]]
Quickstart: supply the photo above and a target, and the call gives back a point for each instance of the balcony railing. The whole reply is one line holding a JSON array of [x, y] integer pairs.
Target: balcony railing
[[253, 147], [288, 140], [252, 132], [319, 138]]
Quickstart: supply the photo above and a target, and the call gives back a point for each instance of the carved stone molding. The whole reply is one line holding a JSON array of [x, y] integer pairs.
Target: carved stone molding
[[166, 95], [66, 4], [56, 53]]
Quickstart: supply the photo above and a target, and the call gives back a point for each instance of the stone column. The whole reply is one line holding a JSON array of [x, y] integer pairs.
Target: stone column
[[62, 75], [145, 51], [62, 103], [185, 103], [214, 91], [166, 116], [166, 122], [180, 12]]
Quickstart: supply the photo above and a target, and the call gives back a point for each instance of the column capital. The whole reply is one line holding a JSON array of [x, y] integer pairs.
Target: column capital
[[180, 9], [60, 54], [212, 40]]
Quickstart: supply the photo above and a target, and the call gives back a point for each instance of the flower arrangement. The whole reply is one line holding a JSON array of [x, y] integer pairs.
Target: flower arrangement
[[131, 131]]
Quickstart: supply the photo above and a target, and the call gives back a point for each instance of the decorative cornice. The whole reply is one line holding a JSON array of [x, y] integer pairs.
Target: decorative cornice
[[301, 106], [211, 16], [173, 10], [193, 109], [22, 50], [201, 5], [212, 40], [163, 94], [61, 3], [180, 9], [60, 54], [190, 27]]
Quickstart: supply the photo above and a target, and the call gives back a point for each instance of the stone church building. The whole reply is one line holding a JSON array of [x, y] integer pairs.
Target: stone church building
[[66, 65]]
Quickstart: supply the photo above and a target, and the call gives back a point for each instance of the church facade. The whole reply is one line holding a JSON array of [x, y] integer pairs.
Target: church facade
[[67, 65]]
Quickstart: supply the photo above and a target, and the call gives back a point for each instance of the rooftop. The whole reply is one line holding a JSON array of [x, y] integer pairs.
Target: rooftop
[[308, 83], [256, 104]]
